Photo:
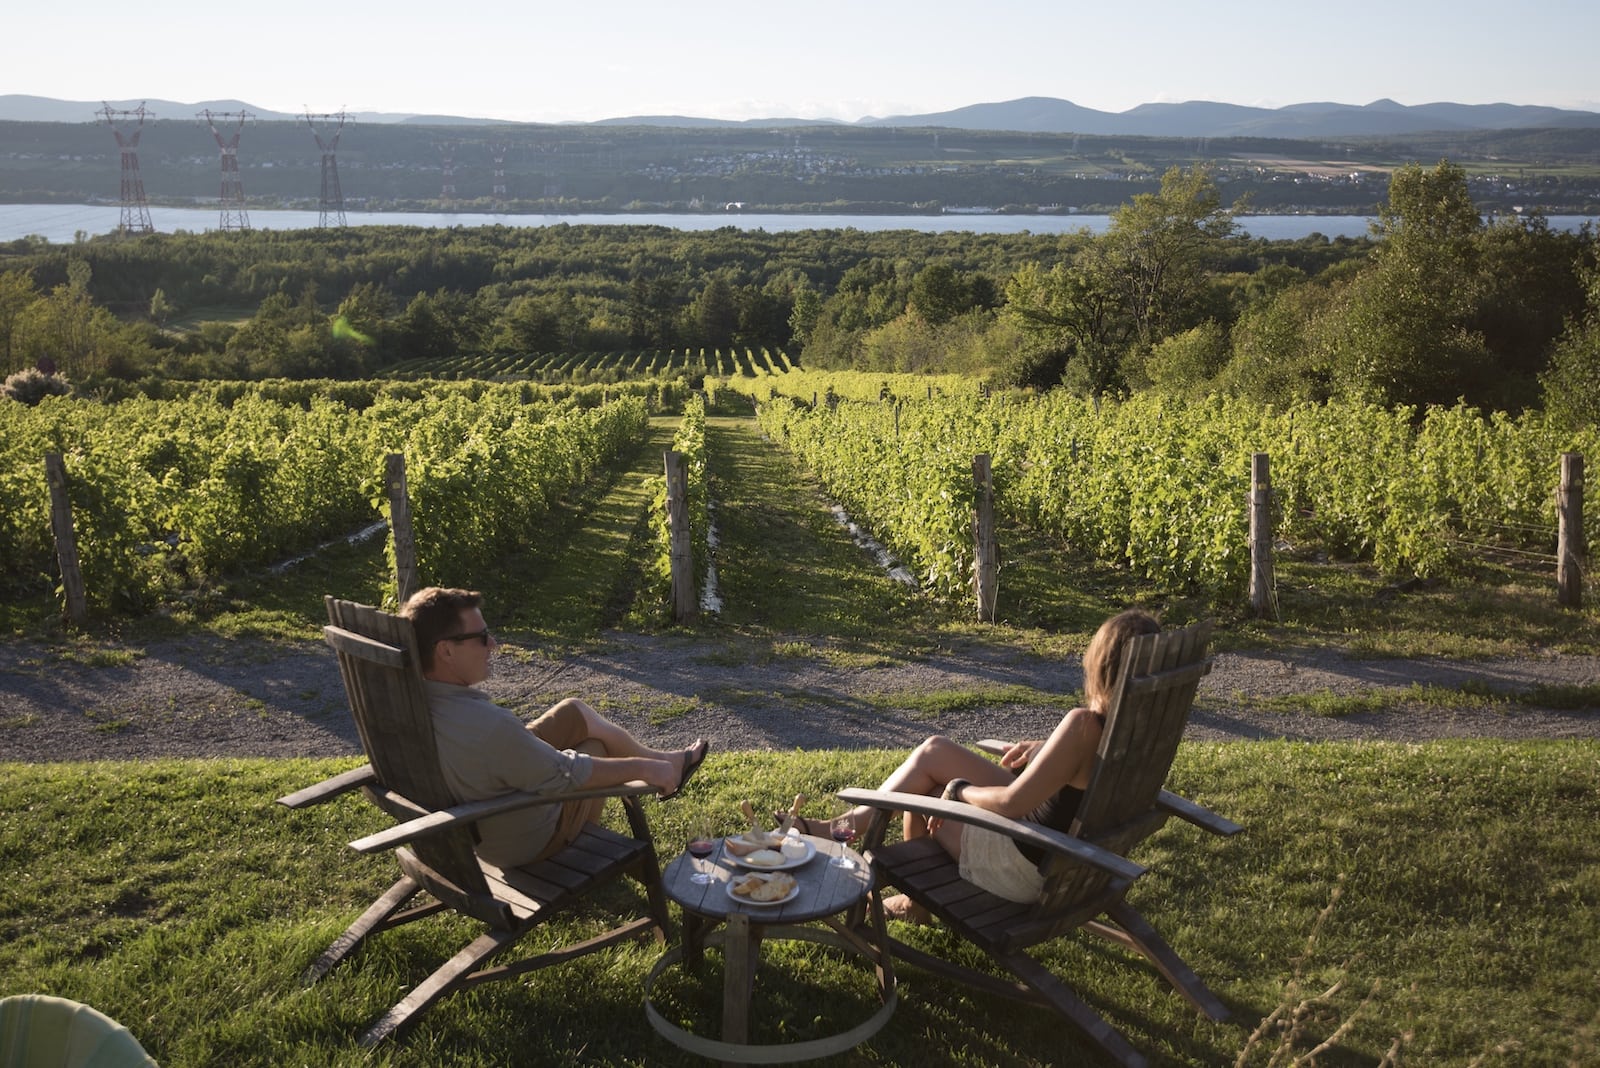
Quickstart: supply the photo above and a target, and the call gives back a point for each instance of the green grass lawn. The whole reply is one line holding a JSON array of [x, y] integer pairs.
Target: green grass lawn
[[1457, 885]]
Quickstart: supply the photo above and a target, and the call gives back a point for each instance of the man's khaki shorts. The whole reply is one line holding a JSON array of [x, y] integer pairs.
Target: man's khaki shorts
[[563, 727]]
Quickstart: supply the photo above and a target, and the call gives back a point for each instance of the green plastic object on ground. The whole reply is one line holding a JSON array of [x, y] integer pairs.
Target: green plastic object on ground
[[37, 1031]]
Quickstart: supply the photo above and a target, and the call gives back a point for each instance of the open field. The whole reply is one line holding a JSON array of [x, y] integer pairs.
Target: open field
[[1319, 168]]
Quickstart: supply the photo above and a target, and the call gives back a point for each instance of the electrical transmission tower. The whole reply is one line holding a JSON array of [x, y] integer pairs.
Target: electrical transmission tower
[[447, 160], [330, 208], [231, 202], [497, 152], [135, 209]]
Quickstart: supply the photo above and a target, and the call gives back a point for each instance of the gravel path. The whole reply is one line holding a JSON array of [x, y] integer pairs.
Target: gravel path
[[209, 697]]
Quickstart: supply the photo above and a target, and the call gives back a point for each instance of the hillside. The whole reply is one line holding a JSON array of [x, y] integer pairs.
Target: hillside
[[834, 168]]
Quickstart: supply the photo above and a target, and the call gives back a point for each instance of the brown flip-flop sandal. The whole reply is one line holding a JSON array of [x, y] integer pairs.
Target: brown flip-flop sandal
[[693, 757]]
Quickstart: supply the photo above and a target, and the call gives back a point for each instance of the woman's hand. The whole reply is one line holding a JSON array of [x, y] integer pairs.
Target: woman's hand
[[1019, 754]]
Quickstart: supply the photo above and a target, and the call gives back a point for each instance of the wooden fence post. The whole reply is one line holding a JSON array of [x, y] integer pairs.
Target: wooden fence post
[[986, 566], [896, 418], [1260, 535], [680, 549], [55, 473], [1571, 552], [405, 544]]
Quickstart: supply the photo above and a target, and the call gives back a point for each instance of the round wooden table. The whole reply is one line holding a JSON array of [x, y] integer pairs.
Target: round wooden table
[[825, 892]]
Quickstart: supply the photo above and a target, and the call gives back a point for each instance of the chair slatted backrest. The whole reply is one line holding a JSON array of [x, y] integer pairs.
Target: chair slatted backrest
[[383, 680], [1149, 708]]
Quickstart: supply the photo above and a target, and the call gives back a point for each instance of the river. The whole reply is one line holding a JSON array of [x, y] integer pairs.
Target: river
[[62, 223]]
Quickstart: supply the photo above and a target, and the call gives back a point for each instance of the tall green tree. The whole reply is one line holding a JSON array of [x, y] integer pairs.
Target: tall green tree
[[70, 330], [1403, 332], [1161, 248], [1530, 285], [1274, 356], [938, 294], [1572, 382], [716, 314], [17, 291], [1069, 317]]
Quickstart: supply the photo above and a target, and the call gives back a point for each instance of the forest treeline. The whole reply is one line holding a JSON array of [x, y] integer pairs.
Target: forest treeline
[[1437, 306]]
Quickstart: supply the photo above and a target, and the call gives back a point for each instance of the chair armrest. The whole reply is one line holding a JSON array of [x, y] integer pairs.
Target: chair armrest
[[473, 811], [1198, 815], [1031, 833], [328, 789], [1167, 801]]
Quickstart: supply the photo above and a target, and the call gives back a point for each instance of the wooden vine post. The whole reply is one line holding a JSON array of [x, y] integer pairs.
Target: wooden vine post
[[55, 472], [405, 543], [1571, 553], [1260, 535], [986, 566], [680, 549]]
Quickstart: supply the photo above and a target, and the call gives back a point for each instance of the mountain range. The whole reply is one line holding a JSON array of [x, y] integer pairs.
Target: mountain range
[[1034, 114]]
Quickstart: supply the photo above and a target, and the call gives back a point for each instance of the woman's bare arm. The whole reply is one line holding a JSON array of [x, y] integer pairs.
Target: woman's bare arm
[[1061, 760]]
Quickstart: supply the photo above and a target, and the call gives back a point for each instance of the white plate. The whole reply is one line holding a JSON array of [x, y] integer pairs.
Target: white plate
[[793, 893], [788, 862]]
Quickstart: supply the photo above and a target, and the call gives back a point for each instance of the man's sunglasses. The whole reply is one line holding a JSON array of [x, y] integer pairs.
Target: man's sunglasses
[[475, 636]]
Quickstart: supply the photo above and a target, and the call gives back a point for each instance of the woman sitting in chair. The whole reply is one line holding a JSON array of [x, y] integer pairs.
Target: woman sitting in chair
[[1035, 781]]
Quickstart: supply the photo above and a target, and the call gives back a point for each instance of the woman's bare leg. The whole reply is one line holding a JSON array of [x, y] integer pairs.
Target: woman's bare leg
[[925, 771]]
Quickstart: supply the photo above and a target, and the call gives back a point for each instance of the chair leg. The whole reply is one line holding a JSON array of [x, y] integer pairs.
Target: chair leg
[[1134, 931], [649, 870], [1074, 1008], [656, 897], [440, 983], [374, 919]]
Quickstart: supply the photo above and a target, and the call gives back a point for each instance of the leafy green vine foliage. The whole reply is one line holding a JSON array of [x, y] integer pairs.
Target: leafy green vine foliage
[[482, 477], [1160, 486], [168, 494]]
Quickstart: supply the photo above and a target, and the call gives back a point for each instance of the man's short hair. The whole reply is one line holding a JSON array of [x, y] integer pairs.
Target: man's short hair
[[435, 613]]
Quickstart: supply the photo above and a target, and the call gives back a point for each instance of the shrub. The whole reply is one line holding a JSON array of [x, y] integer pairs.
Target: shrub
[[31, 385]]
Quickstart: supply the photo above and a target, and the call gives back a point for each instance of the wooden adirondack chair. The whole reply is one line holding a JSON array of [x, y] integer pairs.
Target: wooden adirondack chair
[[1087, 874], [433, 838]]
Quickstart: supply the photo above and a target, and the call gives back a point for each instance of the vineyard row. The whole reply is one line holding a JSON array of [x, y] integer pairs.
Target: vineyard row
[[589, 366], [166, 495], [1160, 487]]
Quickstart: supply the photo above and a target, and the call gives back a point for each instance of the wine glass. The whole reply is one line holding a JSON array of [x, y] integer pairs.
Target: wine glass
[[702, 843], [843, 830]]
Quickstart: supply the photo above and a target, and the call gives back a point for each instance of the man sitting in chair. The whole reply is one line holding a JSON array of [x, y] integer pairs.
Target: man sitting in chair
[[486, 750]]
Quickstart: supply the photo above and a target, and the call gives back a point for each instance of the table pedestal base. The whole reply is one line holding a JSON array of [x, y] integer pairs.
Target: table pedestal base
[[739, 955]]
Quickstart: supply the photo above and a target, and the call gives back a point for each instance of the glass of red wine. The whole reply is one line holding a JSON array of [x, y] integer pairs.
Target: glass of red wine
[[843, 830], [702, 843]]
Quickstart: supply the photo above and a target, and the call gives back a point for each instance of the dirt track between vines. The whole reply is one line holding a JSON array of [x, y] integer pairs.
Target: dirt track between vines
[[208, 697]]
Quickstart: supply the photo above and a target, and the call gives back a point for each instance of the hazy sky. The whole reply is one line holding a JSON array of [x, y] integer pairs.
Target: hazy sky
[[825, 59]]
